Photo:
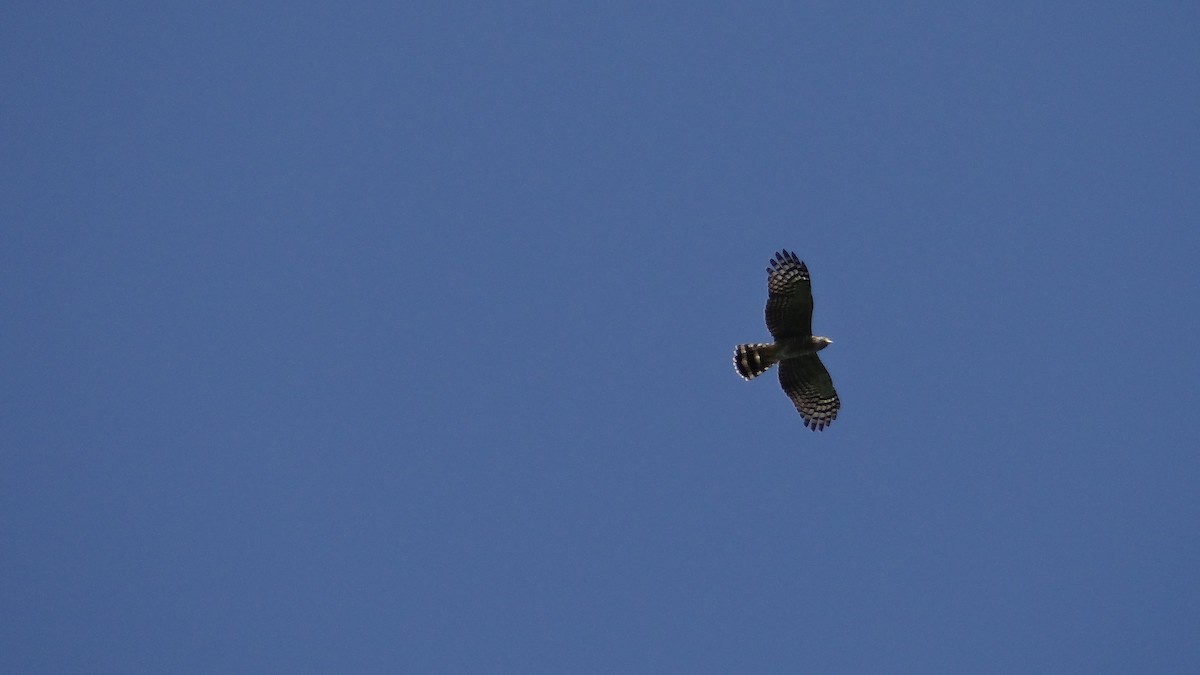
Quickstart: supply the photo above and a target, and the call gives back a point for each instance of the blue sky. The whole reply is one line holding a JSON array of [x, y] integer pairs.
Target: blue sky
[[397, 336]]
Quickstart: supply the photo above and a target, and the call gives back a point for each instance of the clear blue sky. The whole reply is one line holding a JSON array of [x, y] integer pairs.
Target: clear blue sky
[[398, 336]]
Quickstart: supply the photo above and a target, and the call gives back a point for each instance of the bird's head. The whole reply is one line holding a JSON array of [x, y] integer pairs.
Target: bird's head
[[820, 343]]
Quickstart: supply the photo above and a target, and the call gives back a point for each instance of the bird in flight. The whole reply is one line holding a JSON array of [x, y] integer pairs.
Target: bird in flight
[[789, 319]]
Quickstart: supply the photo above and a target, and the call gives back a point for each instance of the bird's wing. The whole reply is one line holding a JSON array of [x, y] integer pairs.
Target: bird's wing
[[789, 299], [810, 387]]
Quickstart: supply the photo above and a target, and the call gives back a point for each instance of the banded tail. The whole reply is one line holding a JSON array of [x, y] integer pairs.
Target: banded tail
[[752, 360]]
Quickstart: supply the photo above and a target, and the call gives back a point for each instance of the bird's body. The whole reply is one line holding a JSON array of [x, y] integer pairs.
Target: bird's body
[[752, 360], [789, 319]]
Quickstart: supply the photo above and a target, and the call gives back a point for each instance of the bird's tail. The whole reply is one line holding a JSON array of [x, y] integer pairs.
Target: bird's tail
[[750, 361]]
